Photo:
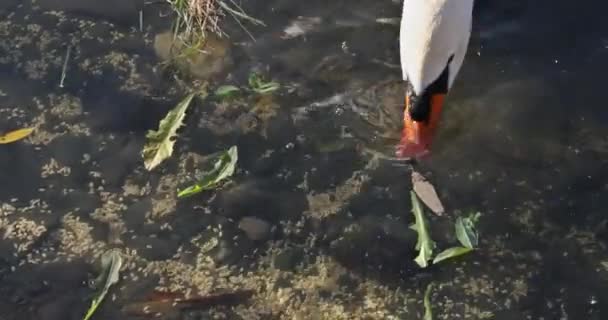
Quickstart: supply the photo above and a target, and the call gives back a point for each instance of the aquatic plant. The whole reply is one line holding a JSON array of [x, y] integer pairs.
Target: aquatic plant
[[428, 309], [425, 244], [111, 262], [256, 83], [223, 168], [197, 17], [159, 143], [464, 228]]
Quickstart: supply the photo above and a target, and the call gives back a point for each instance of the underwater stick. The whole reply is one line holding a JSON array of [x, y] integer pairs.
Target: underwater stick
[[65, 66]]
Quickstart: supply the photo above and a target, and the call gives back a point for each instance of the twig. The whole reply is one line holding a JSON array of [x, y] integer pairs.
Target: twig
[[65, 66], [141, 20]]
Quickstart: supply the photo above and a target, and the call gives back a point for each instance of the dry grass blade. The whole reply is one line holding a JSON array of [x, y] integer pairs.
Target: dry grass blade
[[197, 17]]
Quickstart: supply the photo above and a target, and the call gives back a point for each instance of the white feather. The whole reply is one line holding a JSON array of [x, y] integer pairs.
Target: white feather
[[431, 32]]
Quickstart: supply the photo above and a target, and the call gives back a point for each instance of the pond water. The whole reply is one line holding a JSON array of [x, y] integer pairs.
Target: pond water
[[523, 141]]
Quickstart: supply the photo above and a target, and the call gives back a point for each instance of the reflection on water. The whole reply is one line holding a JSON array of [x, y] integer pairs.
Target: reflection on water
[[523, 141]]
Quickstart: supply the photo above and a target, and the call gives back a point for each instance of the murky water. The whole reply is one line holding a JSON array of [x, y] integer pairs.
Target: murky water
[[523, 141]]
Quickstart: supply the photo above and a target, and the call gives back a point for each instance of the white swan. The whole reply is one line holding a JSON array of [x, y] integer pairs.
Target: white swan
[[434, 38]]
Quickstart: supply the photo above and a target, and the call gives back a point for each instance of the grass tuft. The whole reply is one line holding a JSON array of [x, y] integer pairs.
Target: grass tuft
[[195, 18]]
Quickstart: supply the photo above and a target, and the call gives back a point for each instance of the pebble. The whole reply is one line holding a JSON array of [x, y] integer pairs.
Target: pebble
[[255, 228], [212, 59], [232, 252]]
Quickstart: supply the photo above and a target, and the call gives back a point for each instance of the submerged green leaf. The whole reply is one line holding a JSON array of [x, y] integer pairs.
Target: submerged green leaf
[[259, 86], [451, 253], [428, 310], [466, 232], [425, 244], [223, 168], [224, 91], [111, 262], [253, 79], [159, 144]]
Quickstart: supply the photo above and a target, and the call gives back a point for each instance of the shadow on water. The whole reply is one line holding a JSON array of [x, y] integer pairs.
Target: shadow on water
[[523, 141]]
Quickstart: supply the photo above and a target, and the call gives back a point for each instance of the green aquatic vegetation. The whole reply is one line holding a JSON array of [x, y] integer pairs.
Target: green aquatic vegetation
[[258, 85], [428, 310], [159, 143], [111, 262], [465, 232], [223, 168], [194, 18], [424, 244], [452, 252], [467, 235], [226, 91]]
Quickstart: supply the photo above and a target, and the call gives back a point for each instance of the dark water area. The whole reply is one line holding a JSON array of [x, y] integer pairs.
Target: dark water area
[[523, 141]]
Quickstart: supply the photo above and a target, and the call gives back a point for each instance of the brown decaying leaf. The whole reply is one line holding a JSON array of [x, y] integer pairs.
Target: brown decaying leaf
[[426, 193], [164, 303]]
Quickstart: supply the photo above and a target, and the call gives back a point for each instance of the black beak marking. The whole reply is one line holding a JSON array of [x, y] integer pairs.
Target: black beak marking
[[420, 105]]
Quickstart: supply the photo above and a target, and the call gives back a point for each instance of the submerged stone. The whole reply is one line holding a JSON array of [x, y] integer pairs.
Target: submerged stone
[[255, 228]]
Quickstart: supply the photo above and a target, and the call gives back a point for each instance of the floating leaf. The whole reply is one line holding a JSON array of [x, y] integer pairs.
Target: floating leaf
[[466, 232], [451, 253], [224, 91], [111, 262], [15, 135], [259, 86], [428, 310], [223, 168], [425, 244], [159, 144], [426, 192]]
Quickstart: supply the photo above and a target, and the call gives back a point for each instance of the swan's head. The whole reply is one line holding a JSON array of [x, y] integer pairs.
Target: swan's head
[[422, 115], [433, 43]]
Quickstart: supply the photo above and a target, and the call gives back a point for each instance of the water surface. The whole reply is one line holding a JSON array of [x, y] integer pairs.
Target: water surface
[[523, 141]]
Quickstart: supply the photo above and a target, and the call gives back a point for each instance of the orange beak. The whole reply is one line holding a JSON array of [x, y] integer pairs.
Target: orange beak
[[417, 136]]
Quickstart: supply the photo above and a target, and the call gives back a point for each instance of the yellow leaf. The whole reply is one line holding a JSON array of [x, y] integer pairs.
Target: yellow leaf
[[16, 135]]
